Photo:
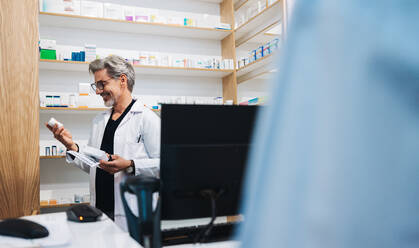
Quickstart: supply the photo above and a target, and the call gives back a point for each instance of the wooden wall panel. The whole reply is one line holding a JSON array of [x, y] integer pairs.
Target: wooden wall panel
[[19, 108], [228, 51], [230, 87], [227, 12]]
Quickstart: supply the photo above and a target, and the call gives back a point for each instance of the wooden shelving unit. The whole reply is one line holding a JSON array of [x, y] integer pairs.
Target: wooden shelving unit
[[249, 34], [266, 18], [253, 31]]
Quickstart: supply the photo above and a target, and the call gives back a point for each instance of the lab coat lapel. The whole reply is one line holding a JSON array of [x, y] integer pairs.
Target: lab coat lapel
[[136, 108]]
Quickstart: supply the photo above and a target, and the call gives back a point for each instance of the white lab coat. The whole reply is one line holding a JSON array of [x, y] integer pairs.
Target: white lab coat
[[137, 138]]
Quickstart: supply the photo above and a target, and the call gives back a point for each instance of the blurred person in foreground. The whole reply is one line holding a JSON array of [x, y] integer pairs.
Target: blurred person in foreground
[[336, 158]]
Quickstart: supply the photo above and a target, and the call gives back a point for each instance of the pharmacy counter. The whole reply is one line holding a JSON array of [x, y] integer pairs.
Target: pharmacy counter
[[103, 233]]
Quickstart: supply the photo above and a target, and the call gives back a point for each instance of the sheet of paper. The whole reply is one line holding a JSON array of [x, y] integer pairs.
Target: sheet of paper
[[11, 242], [59, 233], [84, 158]]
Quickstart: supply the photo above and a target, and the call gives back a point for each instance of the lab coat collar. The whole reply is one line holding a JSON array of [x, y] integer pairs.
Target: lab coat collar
[[137, 107]]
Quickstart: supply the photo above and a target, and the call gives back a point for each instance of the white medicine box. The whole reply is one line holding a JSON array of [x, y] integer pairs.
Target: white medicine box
[[91, 8], [113, 11]]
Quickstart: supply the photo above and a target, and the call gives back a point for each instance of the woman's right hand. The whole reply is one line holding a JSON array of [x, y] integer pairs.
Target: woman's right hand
[[64, 136]]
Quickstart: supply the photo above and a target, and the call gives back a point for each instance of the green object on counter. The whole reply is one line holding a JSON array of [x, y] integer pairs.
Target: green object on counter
[[48, 54]]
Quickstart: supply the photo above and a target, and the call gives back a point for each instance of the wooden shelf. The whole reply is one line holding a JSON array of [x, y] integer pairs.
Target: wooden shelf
[[239, 3], [65, 108], [59, 65], [266, 18], [255, 39], [114, 25], [51, 157], [257, 75], [256, 68], [51, 110], [58, 110], [63, 205]]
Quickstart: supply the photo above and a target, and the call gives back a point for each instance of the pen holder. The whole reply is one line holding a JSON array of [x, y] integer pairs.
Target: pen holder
[[146, 227]]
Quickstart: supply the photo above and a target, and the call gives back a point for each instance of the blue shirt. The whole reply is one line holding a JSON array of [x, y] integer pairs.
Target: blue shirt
[[336, 162]]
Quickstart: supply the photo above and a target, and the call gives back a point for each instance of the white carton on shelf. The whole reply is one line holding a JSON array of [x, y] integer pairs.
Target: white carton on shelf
[[129, 13], [48, 44], [84, 88], [90, 50], [164, 60], [91, 8], [70, 7], [143, 58], [208, 21], [45, 195], [113, 11], [175, 19], [141, 15], [153, 15], [54, 6], [178, 61], [152, 59], [83, 99]]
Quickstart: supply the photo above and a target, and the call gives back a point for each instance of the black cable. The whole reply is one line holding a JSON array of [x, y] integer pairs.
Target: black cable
[[205, 232], [208, 228]]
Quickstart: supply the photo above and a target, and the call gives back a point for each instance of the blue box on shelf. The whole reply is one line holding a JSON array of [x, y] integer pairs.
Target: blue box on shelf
[[82, 56]]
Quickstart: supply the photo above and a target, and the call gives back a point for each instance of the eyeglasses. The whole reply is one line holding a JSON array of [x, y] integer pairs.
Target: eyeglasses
[[99, 84]]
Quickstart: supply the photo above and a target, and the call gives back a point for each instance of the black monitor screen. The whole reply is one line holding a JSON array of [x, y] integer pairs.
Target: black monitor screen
[[203, 147]]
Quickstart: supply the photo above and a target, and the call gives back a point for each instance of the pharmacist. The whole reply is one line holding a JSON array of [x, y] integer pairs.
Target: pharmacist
[[128, 130]]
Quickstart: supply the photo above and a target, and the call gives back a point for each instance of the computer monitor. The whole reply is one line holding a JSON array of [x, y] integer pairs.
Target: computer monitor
[[203, 148]]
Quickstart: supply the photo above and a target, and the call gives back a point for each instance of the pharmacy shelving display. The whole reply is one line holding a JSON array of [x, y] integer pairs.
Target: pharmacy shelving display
[[46, 64], [256, 68], [258, 23], [227, 43], [254, 33], [112, 25]]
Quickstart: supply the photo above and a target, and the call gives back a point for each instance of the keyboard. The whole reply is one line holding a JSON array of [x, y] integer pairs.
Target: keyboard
[[186, 235]]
